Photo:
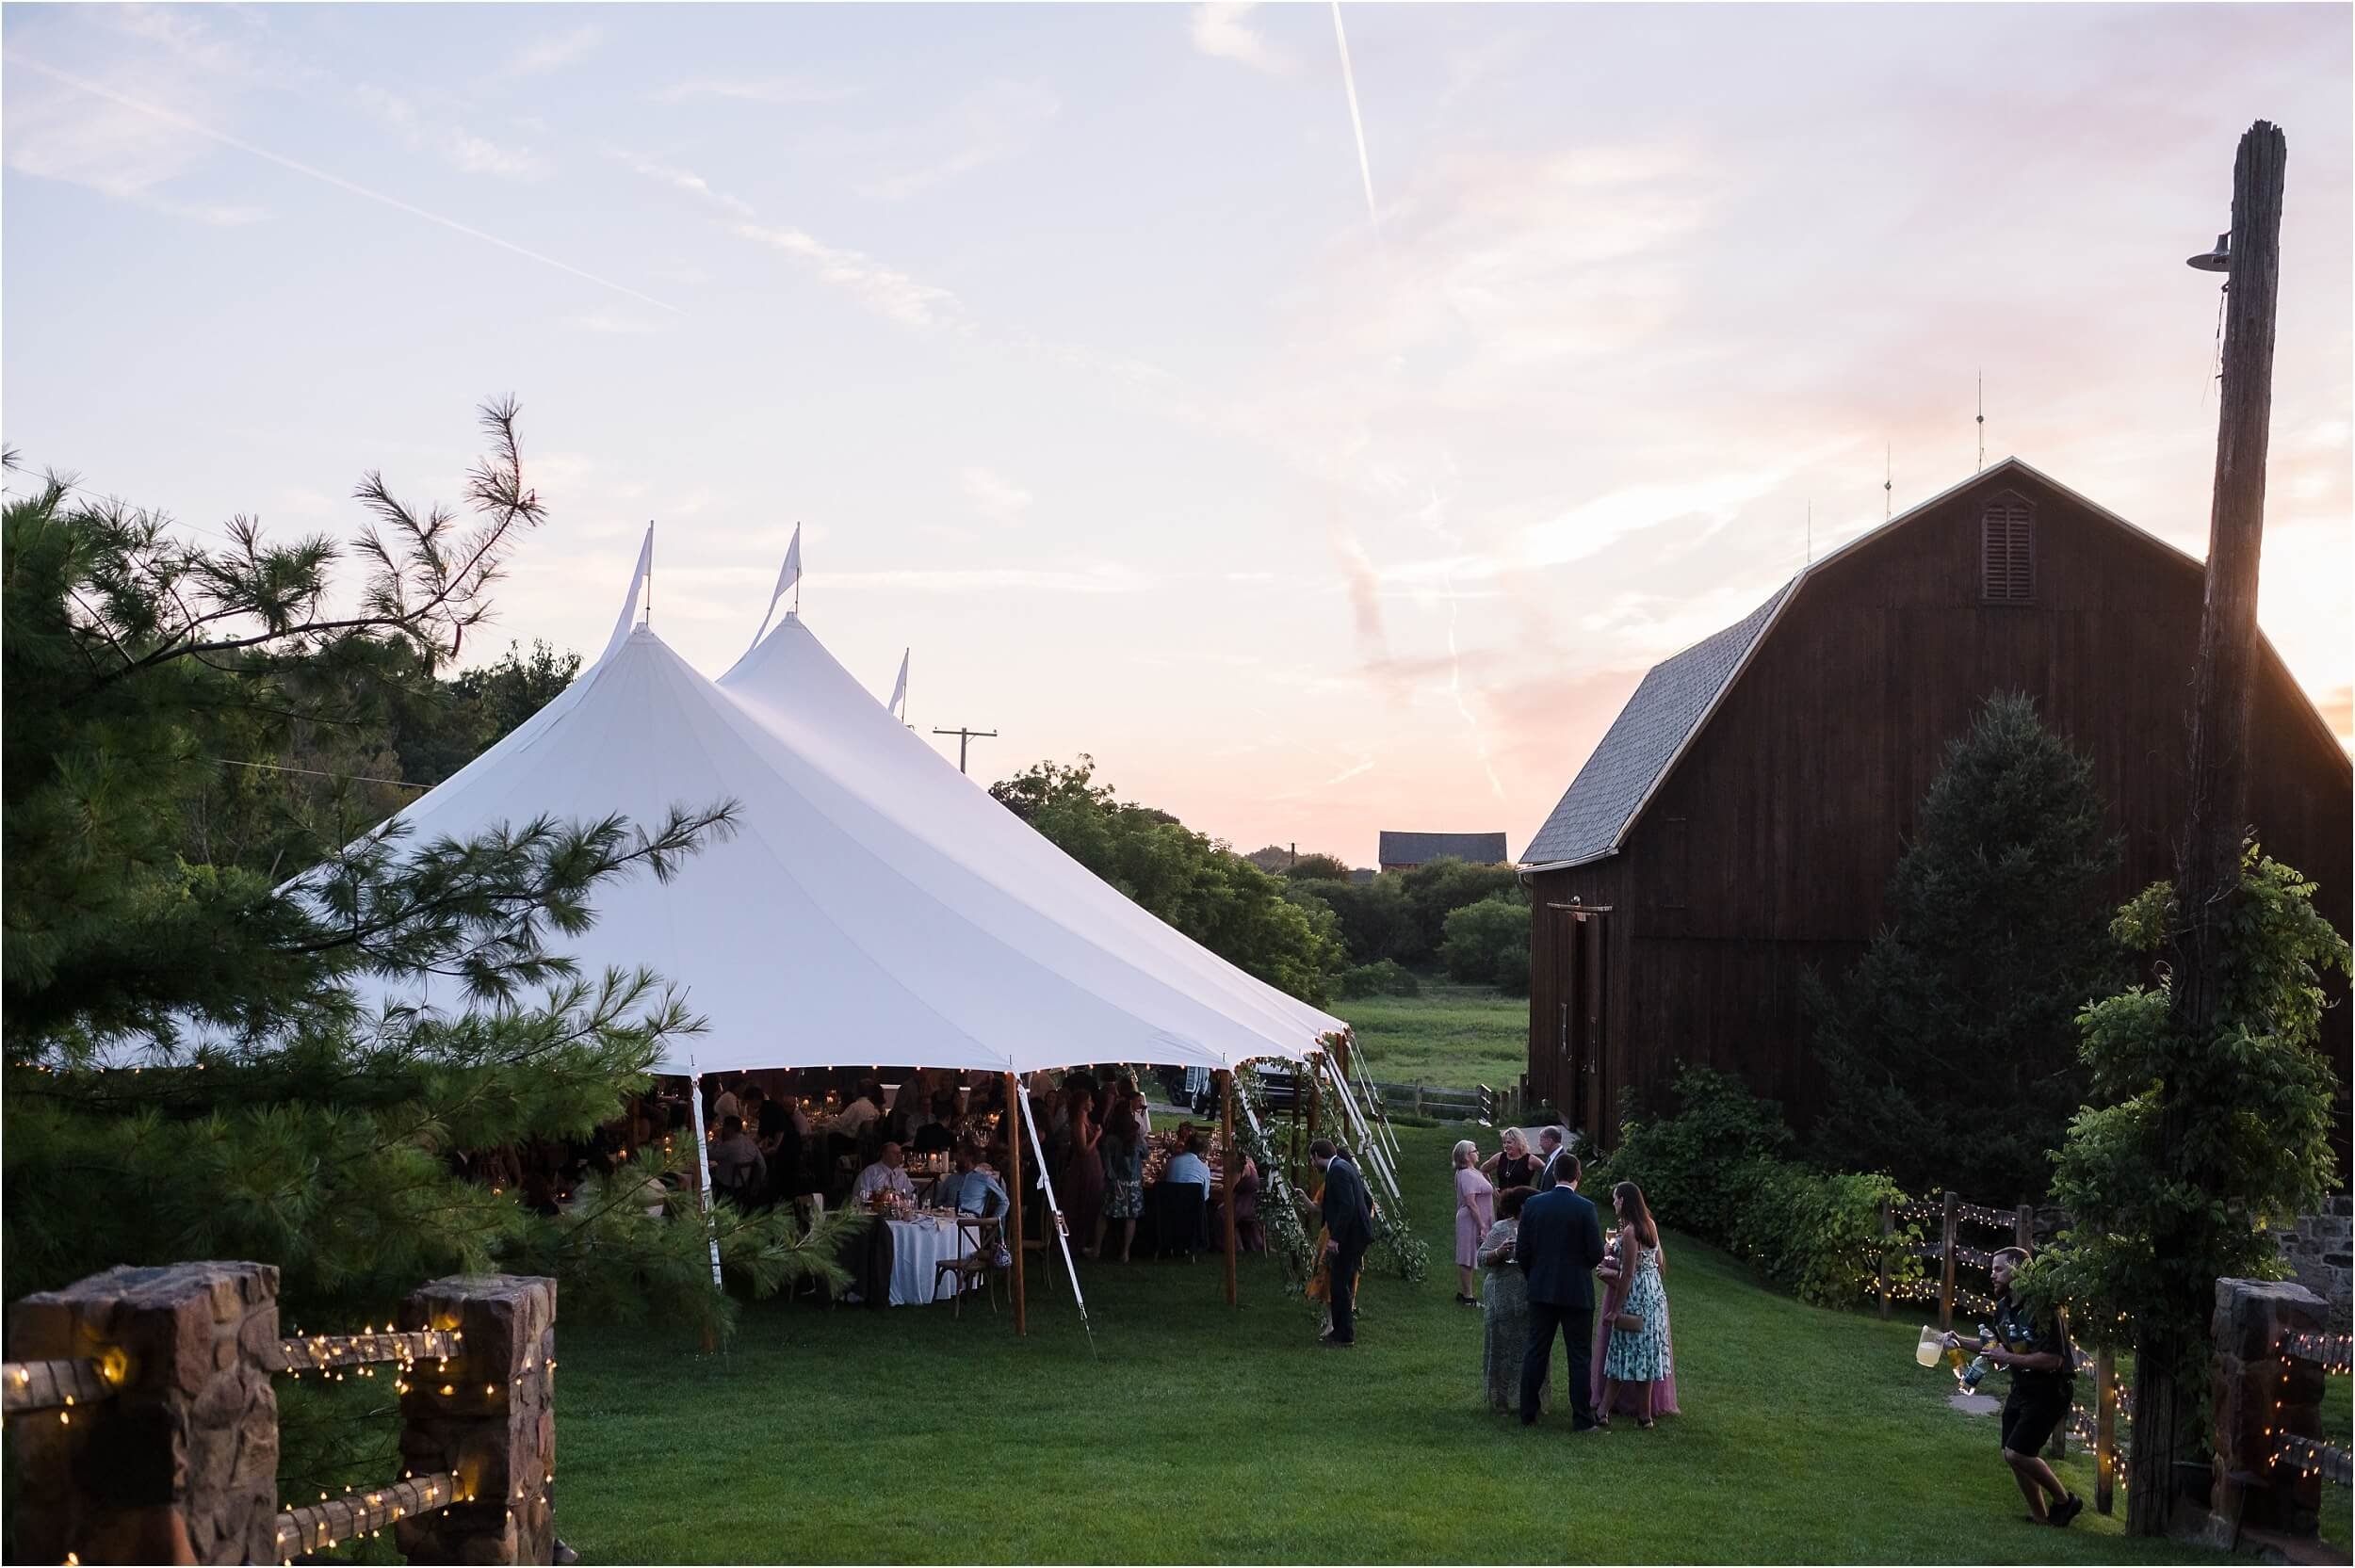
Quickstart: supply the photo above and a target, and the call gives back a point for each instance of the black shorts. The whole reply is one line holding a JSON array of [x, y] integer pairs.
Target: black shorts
[[2030, 1413]]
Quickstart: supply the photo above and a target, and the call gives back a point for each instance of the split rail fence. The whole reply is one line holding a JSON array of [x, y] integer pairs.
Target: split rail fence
[[144, 1423]]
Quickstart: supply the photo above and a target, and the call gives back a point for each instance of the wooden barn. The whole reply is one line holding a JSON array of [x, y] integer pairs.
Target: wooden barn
[[1740, 819]]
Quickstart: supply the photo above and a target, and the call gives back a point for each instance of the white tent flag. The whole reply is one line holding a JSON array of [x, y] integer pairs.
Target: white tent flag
[[788, 575], [899, 688], [637, 581]]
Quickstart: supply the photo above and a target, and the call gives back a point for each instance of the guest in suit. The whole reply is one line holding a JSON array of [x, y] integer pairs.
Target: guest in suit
[[1349, 1229], [1551, 1151], [1559, 1246]]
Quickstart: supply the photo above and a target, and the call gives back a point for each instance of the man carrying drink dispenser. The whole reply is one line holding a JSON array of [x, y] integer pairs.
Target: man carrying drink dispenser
[[2031, 1344]]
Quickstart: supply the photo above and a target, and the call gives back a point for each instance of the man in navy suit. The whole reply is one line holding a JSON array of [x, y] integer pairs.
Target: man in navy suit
[[1559, 1247], [1348, 1214]]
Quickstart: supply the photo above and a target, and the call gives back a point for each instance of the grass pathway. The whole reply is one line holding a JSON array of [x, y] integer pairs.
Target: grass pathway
[[1192, 1433]]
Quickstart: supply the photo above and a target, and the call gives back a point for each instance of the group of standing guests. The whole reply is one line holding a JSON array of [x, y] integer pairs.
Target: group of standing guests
[[1096, 1132], [1535, 1247]]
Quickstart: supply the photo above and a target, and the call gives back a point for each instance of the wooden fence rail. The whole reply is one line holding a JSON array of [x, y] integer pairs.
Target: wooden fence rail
[[315, 1528], [60, 1386], [1444, 1102]]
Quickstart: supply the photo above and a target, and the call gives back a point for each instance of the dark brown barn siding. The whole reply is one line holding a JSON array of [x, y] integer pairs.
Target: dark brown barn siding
[[1780, 824]]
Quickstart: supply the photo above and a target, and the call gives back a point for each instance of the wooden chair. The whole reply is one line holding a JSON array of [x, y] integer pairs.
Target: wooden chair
[[976, 1266]]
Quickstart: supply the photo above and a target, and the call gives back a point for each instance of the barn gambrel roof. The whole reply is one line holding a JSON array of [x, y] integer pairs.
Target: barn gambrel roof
[[1637, 750], [1679, 694]]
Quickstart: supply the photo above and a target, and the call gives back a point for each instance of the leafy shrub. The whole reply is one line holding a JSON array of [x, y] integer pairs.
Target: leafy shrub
[[1429, 894], [1719, 1169], [1384, 978], [1487, 943]]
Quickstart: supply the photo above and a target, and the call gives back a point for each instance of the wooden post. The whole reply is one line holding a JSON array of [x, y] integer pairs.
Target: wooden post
[[1316, 1102], [2207, 878], [1292, 1163], [2057, 1445], [1230, 1170], [2105, 1429], [1946, 1269], [1889, 1228], [1014, 1193], [2024, 1229]]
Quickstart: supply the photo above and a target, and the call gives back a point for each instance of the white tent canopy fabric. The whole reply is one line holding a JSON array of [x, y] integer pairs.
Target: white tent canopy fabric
[[874, 906]]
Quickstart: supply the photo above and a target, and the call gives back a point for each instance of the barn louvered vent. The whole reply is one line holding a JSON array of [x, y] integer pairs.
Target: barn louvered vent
[[2007, 551]]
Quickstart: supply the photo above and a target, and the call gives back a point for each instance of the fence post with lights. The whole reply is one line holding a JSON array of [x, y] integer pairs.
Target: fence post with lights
[[146, 1423], [485, 1415], [2271, 1354]]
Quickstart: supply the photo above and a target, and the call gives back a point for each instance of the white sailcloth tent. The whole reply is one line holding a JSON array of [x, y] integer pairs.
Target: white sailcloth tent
[[872, 906]]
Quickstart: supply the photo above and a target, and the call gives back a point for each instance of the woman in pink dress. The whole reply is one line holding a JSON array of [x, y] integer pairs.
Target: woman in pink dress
[[1475, 1212]]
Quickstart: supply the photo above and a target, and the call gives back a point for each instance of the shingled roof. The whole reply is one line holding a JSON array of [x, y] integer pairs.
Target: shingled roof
[[1422, 849], [1675, 697]]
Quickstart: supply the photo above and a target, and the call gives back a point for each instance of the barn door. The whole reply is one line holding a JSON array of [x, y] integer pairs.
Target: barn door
[[1581, 1014]]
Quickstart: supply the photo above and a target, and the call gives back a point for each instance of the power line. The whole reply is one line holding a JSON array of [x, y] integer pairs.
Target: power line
[[316, 773]]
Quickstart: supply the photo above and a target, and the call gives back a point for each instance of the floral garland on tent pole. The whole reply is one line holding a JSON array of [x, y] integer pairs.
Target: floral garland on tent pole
[[1287, 1239]]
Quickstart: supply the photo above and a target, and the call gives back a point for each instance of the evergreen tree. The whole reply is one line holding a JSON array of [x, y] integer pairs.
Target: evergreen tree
[[193, 1065], [1949, 1049]]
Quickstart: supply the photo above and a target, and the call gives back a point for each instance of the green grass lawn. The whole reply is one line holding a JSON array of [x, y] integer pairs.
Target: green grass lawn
[[1452, 1035], [1187, 1432]]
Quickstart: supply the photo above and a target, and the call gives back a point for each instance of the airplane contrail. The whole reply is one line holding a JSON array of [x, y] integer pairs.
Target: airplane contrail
[[169, 116], [1349, 84]]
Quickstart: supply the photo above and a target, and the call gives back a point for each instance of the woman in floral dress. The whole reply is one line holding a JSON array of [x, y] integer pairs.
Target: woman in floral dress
[[1504, 1311], [1123, 1147], [1640, 1364]]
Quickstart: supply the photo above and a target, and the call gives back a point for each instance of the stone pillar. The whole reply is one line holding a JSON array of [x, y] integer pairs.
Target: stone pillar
[[487, 1416], [2258, 1396], [185, 1456]]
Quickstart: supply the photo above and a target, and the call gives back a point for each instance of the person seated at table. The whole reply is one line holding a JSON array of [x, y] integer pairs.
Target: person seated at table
[[1188, 1165], [970, 1189], [726, 1105], [737, 1168], [886, 1173], [937, 1130], [779, 1140], [860, 1114]]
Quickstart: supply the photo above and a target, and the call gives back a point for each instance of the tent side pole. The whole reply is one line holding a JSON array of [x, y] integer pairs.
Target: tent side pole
[[1014, 1189], [703, 1159], [1291, 1162], [1230, 1169]]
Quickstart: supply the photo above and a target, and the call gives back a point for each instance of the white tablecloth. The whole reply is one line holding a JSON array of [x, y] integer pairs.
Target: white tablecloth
[[917, 1248]]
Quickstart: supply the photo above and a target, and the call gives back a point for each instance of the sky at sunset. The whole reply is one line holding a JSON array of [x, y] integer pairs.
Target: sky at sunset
[[1315, 487]]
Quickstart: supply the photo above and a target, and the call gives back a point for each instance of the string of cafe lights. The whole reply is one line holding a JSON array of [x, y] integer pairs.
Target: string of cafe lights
[[2309, 1456]]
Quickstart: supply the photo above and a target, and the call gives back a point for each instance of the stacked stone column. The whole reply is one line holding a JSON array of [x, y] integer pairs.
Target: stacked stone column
[[2257, 1398], [185, 1456], [488, 1417]]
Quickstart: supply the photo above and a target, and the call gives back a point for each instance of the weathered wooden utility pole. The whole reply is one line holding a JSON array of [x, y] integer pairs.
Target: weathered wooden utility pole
[[2207, 877]]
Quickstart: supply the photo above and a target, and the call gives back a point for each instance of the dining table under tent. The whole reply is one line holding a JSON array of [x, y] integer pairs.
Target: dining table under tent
[[866, 902]]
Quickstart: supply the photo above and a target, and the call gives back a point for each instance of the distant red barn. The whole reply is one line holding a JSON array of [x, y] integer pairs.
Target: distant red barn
[[1740, 819]]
